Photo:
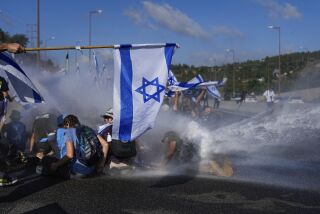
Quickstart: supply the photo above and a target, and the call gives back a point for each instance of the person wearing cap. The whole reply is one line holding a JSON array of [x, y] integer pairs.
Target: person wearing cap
[[104, 136], [15, 131]]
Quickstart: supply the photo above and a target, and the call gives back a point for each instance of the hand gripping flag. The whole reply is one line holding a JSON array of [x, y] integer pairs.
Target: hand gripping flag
[[20, 82], [140, 77]]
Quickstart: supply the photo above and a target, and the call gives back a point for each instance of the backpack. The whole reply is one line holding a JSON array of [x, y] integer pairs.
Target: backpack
[[88, 149]]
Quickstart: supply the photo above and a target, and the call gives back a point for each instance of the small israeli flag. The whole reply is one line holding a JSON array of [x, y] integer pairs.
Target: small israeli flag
[[140, 77], [174, 85], [214, 92], [96, 62], [19, 80]]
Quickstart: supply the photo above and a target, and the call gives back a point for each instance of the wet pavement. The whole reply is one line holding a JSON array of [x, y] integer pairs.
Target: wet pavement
[[153, 194]]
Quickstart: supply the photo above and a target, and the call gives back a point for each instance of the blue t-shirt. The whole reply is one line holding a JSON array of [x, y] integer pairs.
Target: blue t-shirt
[[77, 167], [61, 143]]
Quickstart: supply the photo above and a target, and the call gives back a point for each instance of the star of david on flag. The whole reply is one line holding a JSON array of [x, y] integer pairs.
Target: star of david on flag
[[140, 77], [143, 89]]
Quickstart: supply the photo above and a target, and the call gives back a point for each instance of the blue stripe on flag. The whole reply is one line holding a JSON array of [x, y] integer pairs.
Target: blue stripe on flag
[[37, 98], [168, 54], [126, 111], [199, 77], [11, 62]]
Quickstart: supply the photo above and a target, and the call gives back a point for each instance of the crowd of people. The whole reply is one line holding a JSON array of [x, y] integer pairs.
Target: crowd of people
[[194, 105], [62, 146]]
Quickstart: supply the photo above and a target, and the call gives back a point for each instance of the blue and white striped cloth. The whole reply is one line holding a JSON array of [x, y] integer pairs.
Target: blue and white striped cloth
[[25, 89], [140, 78]]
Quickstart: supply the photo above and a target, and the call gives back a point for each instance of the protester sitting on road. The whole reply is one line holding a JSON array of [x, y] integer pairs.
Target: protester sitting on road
[[73, 148], [104, 136], [59, 164], [5, 179], [80, 136], [15, 131], [43, 127]]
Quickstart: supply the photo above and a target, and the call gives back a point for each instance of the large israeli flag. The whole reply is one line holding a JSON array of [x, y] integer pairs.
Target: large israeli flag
[[140, 78], [20, 82]]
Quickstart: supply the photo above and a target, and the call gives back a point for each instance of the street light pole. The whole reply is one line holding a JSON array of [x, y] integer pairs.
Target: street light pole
[[38, 34], [279, 59], [233, 74], [90, 18]]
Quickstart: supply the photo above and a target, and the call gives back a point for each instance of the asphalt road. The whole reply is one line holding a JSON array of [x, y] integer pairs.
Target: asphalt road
[[153, 194], [161, 193]]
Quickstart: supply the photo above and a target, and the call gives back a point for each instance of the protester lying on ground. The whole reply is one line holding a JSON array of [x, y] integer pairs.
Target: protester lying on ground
[[105, 139], [43, 129], [182, 152], [15, 131], [80, 151], [178, 152]]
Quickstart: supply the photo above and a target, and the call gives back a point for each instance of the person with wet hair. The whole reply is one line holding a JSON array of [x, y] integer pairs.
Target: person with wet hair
[[60, 165], [173, 148], [181, 152], [69, 164]]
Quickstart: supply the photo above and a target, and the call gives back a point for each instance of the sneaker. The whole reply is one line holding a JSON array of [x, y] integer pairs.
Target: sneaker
[[6, 180], [39, 170]]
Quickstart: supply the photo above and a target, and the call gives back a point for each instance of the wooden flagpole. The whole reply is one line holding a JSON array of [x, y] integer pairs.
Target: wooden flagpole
[[82, 47], [68, 48]]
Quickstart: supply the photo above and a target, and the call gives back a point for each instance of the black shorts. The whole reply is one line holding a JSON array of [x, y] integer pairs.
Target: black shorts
[[123, 150]]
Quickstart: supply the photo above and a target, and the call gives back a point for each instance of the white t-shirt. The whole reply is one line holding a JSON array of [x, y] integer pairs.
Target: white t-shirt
[[269, 95]]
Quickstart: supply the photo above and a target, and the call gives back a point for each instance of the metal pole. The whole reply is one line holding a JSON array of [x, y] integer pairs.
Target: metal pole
[[90, 13], [233, 72], [38, 33], [68, 48], [76, 48]]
